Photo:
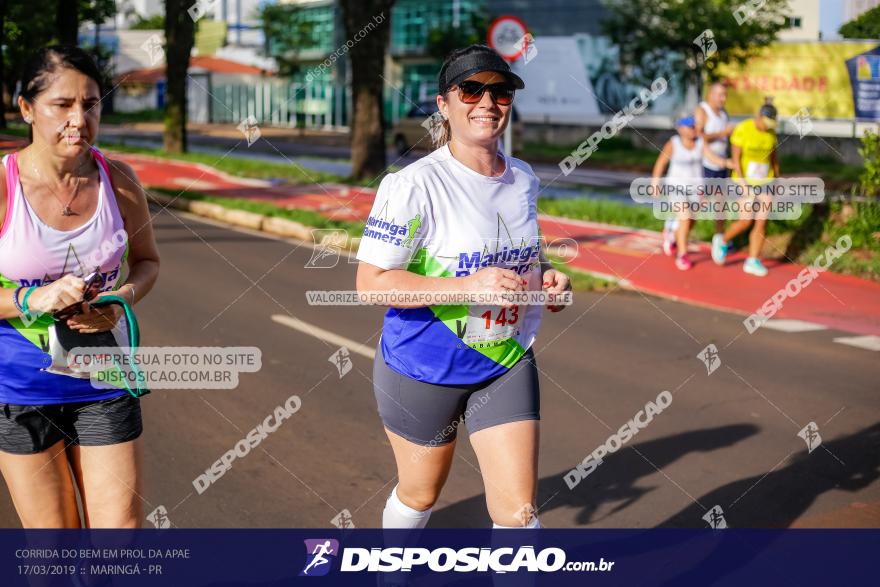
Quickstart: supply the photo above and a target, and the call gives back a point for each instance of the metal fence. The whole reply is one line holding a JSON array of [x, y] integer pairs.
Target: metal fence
[[273, 103], [323, 105]]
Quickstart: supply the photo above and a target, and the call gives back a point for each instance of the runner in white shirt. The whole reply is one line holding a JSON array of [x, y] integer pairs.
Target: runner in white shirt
[[462, 219], [715, 128], [684, 155]]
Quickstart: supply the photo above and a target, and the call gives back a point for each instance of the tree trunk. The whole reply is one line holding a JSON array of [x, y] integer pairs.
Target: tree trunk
[[67, 22], [179, 39], [367, 57]]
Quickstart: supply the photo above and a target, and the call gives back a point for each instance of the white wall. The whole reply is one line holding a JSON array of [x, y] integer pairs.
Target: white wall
[[130, 53], [197, 97], [136, 102], [808, 12]]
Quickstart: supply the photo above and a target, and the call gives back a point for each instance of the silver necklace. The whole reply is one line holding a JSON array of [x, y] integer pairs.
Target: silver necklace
[[66, 210]]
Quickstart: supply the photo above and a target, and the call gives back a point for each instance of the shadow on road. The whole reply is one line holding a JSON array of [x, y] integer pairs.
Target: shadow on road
[[613, 482], [779, 498]]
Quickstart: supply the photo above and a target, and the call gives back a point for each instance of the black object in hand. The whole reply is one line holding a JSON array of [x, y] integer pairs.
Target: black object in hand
[[94, 283]]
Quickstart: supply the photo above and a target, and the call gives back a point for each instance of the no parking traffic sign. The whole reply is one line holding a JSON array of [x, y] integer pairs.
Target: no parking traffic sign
[[509, 36]]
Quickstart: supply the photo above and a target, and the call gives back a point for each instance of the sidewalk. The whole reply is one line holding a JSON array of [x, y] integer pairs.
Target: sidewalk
[[832, 300], [630, 256]]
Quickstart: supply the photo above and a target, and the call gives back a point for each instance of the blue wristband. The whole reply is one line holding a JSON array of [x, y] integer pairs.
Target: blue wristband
[[15, 298]]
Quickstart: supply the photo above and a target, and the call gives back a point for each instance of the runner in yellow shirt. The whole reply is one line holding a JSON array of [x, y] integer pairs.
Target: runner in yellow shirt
[[753, 150]]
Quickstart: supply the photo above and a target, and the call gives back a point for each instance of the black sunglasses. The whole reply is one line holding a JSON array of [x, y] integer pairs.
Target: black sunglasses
[[471, 92]]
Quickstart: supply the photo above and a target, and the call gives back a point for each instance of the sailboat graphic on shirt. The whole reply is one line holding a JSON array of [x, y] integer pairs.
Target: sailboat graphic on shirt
[[500, 248], [72, 264]]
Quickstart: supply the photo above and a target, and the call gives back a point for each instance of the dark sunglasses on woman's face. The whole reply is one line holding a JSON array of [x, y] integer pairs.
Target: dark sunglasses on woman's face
[[471, 92]]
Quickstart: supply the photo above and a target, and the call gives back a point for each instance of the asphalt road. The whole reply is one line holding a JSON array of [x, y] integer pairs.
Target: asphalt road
[[728, 439]]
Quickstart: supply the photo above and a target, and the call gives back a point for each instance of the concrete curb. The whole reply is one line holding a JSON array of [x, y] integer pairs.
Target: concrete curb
[[251, 220]]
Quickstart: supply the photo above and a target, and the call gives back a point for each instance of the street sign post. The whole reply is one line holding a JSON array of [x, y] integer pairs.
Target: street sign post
[[508, 35]]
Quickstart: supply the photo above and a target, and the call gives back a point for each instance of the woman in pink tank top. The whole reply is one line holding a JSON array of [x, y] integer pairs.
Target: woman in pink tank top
[[67, 212]]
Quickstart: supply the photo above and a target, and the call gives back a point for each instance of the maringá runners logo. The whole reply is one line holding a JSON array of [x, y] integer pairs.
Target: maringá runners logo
[[381, 228], [320, 554]]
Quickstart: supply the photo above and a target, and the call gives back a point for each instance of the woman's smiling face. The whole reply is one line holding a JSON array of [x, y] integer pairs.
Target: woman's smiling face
[[66, 114], [481, 123]]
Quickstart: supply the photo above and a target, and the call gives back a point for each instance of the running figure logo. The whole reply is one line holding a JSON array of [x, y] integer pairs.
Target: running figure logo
[[710, 358], [412, 227], [250, 129], [802, 122], [319, 556], [810, 434], [706, 43], [343, 520], [329, 243], [159, 518], [153, 47], [715, 518], [342, 359]]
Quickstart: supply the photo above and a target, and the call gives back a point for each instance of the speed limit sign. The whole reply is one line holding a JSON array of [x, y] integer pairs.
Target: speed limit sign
[[509, 36]]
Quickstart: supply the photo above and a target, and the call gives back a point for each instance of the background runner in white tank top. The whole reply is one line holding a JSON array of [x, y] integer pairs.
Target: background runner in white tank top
[[715, 123], [685, 165]]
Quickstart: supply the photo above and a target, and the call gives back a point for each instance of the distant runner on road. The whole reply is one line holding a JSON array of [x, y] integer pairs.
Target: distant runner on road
[[684, 155], [715, 128], [755, 162]]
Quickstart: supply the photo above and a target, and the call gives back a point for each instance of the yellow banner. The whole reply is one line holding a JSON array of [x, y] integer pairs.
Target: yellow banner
[[796, 75], [210, 36]]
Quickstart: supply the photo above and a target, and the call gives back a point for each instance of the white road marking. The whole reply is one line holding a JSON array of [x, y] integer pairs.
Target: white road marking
[[324, 335], [793, 325], [871, 343]]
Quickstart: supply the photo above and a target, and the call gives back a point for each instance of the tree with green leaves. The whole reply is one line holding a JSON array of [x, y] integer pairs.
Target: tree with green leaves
[[179, 40], [286, 32], [443, 40], [653, 35], [22, 33], [367, 56], [864, 26], [148, 23]]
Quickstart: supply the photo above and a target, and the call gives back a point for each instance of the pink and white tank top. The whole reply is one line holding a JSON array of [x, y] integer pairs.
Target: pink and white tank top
[[34, 253]]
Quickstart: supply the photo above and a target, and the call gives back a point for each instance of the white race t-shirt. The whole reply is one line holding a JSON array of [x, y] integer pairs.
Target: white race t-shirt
[[437, 217]]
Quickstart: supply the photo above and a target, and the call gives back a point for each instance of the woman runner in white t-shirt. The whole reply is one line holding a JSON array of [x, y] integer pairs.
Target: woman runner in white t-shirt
[[684, 155], [462, 219]]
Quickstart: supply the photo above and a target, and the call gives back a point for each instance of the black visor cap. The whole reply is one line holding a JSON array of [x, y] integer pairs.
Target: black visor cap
[[467, 65]]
